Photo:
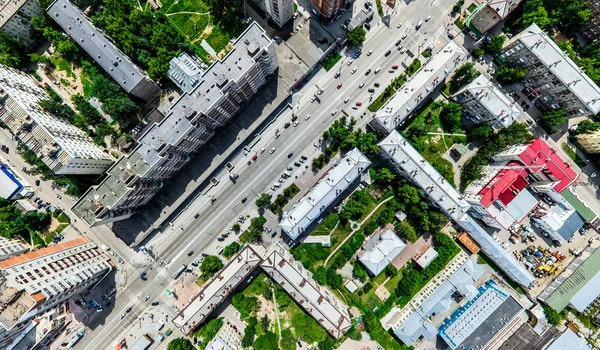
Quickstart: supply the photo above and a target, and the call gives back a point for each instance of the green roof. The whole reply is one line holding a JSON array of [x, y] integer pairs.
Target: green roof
[[586, 213], [562, 295], [462, 149]]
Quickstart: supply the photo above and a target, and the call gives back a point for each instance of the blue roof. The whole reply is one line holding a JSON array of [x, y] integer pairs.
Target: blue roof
[[6, 185]]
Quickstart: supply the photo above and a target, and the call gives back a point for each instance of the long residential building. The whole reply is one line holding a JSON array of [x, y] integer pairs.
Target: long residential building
[[64, 148], [552, 78], [166, 146], [414, 92], [324, 306], [33, 283], [484, 103], [324, 193], [129, 76], [11, 247], [15, 18], [407, 161]]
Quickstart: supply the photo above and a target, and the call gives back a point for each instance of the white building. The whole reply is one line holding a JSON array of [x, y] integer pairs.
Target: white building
[[12, 186], [64, 148], [324, 193], [399, 108], [561, 221], [11, 247], [484, 103], [318, 301], [15, 18], [569, 340], [280, 11], [552, 77], [379, 250]]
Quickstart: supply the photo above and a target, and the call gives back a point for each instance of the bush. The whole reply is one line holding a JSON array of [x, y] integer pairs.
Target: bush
[[367, 287], [330, 60], [210, 265], [231, 250], [494, 47], [246, 305], [357, 36], [552, 315], [414, 67], [180, 344]]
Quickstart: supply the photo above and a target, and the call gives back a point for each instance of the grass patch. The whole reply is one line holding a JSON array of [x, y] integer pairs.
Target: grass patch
[[426, 53], [393, 282], [446, 89], [312, 255], [63, 218], [573, 155], [379, 8], [485, 259], [330, 60], [472, 7], [64, 82], [389, 91], [282, 199], [459, 23], [64, 65], [36, 76], [414, 67], [327, 225]]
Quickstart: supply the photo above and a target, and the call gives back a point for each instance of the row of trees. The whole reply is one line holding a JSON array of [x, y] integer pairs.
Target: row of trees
[[13, 52], [570, 14], [14, 223]]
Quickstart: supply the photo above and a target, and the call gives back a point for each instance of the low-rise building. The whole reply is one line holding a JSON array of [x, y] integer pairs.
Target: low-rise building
[[12, 186], [15, 18], [552, 79], [414, 92], [468, 242], [590, 142], [64, 148], [569, 340], [324, 193], [484, 319], [490, 13], [425, 256], [561, 221], [380, 249], [484, 103], [114, 62]]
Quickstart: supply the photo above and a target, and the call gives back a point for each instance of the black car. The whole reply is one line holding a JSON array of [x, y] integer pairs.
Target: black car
[[376, 84], [196, 216], [398, 42], [155, 303], [290, 155], [37, 182], [274, 234], [371, 90], [388, 53], [128, 309], [367, 72], [286, 125], [297, 164], [190, 253], [367, 26], [220, 239], [244, 200], [294, 118]]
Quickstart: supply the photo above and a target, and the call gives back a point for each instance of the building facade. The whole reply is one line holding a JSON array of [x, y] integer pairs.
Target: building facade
[[327, 8], [15, 18], [11, 247], [491, 13], [165, 147], [484, 103], [590, 142], [64, 148], [552, 79], [591, 30], [129, 76], [280, 11]]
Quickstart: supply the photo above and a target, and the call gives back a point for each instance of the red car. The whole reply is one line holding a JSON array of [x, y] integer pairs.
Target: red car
[[395, 66], [359, 103], [339, 85]]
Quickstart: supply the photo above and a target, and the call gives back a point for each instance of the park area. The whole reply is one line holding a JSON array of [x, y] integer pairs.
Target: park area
[[196, 21]]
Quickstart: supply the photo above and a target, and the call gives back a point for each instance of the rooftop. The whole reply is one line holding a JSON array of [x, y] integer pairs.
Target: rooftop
[[503, 185], [99, 47], [424, 259], [424, 174], [419, 86], [185, 72], [577, 283], [559, 63], [491, 98], [217, 289], [479, 321], [503, 7], [569, 340], [325, 192], [8, 9], [315, 299], [379, 250]]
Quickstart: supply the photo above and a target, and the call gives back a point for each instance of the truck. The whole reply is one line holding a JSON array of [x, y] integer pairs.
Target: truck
[[75, 339], [142, 344]]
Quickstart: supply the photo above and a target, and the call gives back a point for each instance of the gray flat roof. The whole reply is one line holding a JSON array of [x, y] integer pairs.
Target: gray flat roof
[[97, 45]]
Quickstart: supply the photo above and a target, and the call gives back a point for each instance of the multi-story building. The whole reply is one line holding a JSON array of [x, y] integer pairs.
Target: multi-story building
[[12, 186], [64, 148], [35, 282], [280, 11], [590, 142], [591, 29], [414, 92], [380, 249], [552, 78], [327, 8], [490, 13], [129, 76], [324, 193], [15, 18], [484, 103], [11, 247], [166, 146]]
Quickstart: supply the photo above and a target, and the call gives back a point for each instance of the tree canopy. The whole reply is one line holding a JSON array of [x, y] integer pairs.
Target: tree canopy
[[551, 120], [509, 75], [12, 51], [210, 265], [494, 47], [180, 344], [357, 36], [263, 200], [246, 305]]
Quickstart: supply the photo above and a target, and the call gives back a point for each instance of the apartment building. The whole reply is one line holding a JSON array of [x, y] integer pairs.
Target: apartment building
[[484, 103], [129, 76], [165, 147], [64, 148], [490, 13], [327, 8], [280, 11], [11, 247], [33, 283], [15, 18], [590, 142], [553, 79], [591, 30]]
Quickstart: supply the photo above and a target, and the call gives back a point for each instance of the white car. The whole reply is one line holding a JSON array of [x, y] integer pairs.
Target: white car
[[404, 36], [262, 150], [296, 123], [370, 53], [313, 99], [361, 85], [307, 117], [334, 112], [427, 19], [272, 150], [346, 99], [353, 70], [317, 145], [399, 25], [403, 50], [350, 62], [400, 48]]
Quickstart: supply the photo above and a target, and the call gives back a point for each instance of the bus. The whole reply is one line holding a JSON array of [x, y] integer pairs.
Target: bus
[[179, 271]]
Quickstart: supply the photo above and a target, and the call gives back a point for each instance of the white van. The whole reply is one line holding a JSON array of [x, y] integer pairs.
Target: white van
[[377, 70]]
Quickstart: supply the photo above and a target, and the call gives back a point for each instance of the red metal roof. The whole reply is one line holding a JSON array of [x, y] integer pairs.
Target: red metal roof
[[504, 186], [538, 153]]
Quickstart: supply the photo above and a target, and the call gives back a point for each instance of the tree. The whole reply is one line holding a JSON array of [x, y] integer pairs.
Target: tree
[[246, 305], [586, 127], [231, 250], [210, 265], [180, 344], [509, 75], [249, 332], [480, 132], [450, 116], [407, 231], [553, 119], [68, 50], [359, 272], [263, 200], [534, 12], [552, 315], [236, 227], [408, 195], [267, 341], [288, 341], [494, 47], [320, 275], [357, 36], [478, 52], [307, 328], [384, 176], [12, 51], [465, 74], [353, 210]]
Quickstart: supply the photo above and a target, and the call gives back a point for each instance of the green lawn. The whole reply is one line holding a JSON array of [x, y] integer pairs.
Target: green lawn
[[459, 23], [330, 60], [414, 67], [573, 155], [389, 91]]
